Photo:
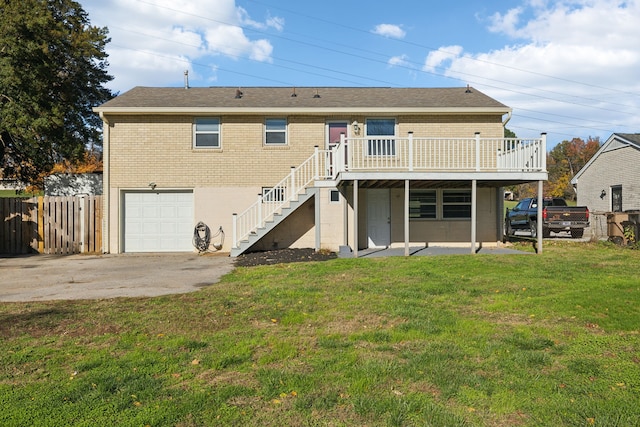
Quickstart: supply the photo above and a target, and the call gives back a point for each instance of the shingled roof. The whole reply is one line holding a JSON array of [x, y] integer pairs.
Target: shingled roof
[[331, 99]]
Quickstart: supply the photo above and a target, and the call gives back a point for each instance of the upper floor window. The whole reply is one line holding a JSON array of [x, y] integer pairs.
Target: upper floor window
[[616, 198], [381, 128], [275, 131], [206, 132]]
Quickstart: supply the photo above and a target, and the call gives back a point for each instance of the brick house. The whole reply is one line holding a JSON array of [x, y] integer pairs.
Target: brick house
[[329, 168]]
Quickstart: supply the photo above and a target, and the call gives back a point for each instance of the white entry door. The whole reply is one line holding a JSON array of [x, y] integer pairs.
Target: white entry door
[[378, 218], [157, 221]]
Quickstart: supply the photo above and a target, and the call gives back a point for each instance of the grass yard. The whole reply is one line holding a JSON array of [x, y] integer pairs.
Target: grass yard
[[515, 340]]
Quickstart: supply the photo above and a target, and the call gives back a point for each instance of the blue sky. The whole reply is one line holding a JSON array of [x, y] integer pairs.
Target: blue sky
[[569, 68]]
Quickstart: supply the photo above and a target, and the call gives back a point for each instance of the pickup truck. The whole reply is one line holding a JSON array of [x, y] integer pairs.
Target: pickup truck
[[556, 217]]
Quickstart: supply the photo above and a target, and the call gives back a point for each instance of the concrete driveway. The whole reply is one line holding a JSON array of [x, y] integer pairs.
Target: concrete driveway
[[54, 277]]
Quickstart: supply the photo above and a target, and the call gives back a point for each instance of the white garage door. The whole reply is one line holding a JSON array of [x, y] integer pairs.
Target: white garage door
[[158, 221]]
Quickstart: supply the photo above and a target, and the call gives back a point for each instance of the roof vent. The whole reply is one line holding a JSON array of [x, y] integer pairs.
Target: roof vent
[[468, 89], [238, 93], [293, 94], [186, 79], [317, 95]]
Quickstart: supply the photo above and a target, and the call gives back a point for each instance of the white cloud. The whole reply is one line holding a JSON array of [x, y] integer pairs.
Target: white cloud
[[439, 58], [577, 60], [390, 30], [399, 61], [153, 42]]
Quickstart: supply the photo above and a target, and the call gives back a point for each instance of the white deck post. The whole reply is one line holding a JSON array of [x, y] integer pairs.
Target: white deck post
[[406, 216], [317, 218], [316, 163], [478, 151], [474, 214], [410, 152], [539, 223], [543, 137], [293, 183], [259, 209], [355, 218], [234, 230]]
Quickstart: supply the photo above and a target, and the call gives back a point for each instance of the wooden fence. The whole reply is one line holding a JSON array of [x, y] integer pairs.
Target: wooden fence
[[51, 225]]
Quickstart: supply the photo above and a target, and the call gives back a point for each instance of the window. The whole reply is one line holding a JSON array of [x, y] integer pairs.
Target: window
[[275, 132], [381, 146], [422, 204], [334, 196], [616, 198], [270, 194], [206, 132], [456, 204]]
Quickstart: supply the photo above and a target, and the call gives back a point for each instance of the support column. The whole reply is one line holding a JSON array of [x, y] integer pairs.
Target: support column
[[474, 214], [317, 218], [539, 222], [406, 218], [345, 218], [355, 218]]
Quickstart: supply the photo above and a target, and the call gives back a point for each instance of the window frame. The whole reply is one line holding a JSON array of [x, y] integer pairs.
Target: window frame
[[268, 131], [331, 194], [439, 211], [616, 198], [466, 202], [416, 192], [380, 147], [217, 132]]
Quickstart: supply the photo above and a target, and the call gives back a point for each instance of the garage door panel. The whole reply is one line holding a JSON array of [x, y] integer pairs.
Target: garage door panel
[[158, 221]]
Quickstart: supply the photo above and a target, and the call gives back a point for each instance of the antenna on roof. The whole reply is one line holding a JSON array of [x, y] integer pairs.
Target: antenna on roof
[[186, 79]]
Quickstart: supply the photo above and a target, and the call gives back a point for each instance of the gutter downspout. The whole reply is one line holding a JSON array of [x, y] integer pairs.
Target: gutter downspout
[[507, 119], [106, 175]]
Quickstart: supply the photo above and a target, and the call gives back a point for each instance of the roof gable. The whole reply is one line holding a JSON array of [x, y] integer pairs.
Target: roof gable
[[615, 142], [158, 100]]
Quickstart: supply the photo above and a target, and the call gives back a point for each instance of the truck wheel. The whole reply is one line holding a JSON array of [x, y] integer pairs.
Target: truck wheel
[[546, 232], [577, 233], [508, 231], [533, 227]]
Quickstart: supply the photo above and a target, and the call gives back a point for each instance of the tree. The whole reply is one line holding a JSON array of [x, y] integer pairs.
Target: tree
[[52, 70], [564, 161]]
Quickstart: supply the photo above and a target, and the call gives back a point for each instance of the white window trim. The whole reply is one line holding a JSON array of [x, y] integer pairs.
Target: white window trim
[[286, 132], [196, 132], [392, 146]]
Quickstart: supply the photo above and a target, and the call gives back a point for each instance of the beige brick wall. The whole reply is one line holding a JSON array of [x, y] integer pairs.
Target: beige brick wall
[[160, 149]]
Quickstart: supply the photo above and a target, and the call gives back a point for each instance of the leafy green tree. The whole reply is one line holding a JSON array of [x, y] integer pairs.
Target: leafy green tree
[[52, 70]]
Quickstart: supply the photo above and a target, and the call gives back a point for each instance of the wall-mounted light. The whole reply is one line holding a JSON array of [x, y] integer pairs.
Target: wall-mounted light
[[603, 194], [356, 127], [152, 185]]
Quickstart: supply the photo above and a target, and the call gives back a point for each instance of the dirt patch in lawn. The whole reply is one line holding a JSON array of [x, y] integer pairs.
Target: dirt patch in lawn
[[281, 256]]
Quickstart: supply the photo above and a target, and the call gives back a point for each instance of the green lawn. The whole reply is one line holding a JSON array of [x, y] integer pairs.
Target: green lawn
[[509, 340]]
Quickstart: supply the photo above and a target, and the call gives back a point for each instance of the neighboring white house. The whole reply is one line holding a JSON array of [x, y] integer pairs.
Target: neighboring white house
[[73, 184], [610, 181]]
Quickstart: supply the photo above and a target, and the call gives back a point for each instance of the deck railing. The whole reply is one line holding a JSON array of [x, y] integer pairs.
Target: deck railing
[[441, 154], [392, 154]]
